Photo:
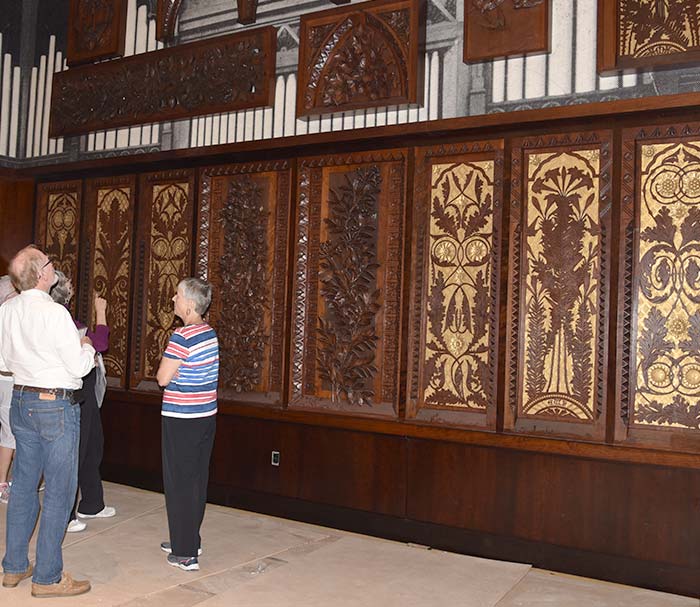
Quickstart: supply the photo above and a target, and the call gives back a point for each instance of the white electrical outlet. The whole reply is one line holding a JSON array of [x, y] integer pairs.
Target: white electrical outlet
[[275, 458]]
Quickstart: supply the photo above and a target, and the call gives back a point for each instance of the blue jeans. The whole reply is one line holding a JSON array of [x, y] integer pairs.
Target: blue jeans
[[47, 434]]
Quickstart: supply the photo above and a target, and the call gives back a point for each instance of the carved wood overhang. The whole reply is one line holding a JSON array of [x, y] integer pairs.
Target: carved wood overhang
[[247, 11], [166, 18], [221, 74], [364, 55], [97, 30]]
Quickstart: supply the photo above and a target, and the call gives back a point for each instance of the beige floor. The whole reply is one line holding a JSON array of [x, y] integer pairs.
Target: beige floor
[[252, 560]]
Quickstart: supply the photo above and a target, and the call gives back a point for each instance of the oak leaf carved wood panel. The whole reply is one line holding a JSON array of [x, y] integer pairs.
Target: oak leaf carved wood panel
[[347, 283], [658, 383], [243, 241], [97, 30], [107, 240], [365, 55], [58, 214], [559, 285], [453, 358], [163, 253], [498, 28], [644, 33]]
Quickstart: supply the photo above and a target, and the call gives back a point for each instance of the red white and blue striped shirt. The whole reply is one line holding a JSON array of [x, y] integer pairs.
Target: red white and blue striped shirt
[[192, 392]]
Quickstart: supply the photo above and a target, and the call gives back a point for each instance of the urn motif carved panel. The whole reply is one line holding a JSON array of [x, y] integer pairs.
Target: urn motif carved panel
[[659, 342], [644, 33], [364, 55], [220, 74], [243, 238], [498, 28], [347, 283], [453, 359], [163, 258], [97, 30], [559, 285], [106, 267]]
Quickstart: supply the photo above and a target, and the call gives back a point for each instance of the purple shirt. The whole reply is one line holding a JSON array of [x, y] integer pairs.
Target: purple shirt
[[100, 338]]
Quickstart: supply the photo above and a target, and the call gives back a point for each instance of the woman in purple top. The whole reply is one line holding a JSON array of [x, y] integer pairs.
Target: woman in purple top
[[91, 438]]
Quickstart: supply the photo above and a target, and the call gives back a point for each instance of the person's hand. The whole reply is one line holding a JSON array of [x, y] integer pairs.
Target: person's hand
[[85, 340], [100, 304]]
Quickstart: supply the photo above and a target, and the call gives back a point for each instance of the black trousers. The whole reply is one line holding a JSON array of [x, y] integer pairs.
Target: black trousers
[[186, 451], [90, 452]]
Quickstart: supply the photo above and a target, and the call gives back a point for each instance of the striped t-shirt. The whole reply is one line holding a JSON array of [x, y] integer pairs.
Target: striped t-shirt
[[192, 392]]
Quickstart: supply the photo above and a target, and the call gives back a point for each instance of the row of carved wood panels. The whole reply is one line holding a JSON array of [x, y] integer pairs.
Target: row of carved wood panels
[[569, 246]]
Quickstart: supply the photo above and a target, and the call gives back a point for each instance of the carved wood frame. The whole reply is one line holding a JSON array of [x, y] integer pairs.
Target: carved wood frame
[[596, 430], [115, 44], [209, 241], [424, 160]]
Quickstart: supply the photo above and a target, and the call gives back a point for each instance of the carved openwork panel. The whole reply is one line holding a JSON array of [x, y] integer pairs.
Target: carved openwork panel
[[559, 285], [659, 380], [215, 75], [106, 268], [497, 28], [455, 295], [643, 33], [97, 30], [347, 283], [163, 254], [364, 55], [244, 234]]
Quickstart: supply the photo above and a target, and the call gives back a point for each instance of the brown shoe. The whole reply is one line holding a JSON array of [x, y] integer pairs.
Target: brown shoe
[[66, 587], [10, 580]]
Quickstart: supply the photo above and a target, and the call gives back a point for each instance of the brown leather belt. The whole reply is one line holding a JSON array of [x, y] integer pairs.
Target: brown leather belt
[[60, 392]]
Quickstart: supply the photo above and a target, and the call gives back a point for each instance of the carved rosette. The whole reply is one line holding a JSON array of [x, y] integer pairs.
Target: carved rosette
[[246, 208], [562, 288], [97, 30], [348, 284], [365, 55]]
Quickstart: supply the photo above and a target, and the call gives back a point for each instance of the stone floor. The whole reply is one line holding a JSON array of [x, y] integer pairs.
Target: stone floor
[[251, 560]]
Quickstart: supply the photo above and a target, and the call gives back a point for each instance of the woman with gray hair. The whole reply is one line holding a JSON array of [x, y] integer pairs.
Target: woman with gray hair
[[7, 439]]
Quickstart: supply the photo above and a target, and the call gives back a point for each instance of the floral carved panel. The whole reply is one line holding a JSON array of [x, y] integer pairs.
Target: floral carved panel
[[97, 30], [163, 258], [346, 309], [643, 33], [659, 380], [359, 56], [243, 239], [497, 28], [220, 74], [106, 267], [455, 294], [559, 285]]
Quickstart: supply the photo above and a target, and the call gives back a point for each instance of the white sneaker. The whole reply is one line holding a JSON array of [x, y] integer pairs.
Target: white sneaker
[[106, 512], [75, 525]]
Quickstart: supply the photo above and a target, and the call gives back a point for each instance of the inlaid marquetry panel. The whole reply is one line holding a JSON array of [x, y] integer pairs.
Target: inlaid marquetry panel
[[659, 378], [163, 257], [559, 284], [347, 283], [106, 268], [643, 33], [455, 295], [243, 237], [364, 55], [97, 30]]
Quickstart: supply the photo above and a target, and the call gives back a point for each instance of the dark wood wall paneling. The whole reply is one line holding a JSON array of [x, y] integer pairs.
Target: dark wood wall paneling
[[16, 215], [604, 504]]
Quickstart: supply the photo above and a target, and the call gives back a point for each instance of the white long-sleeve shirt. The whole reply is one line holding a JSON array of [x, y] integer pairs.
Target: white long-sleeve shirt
[[40, 345]]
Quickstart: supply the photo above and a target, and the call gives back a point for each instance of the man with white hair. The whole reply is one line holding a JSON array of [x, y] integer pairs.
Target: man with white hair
[[7, 440], [41, 347]]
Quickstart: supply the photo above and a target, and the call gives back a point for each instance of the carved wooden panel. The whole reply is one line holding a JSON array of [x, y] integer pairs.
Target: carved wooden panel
[[106, 267], [163, 258], [497, 28], [247, 11], [644, 33], [453, 358], [659, 336], [206, 77], [166, 18], [364, 55], [243, 238], [96, 30], [347, 283], [559, 285]]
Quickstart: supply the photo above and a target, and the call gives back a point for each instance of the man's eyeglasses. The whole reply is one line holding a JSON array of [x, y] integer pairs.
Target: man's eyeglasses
[[47, 263]]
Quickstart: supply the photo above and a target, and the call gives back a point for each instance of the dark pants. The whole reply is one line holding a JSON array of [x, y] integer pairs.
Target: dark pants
[[90, 452], [186, 450]]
